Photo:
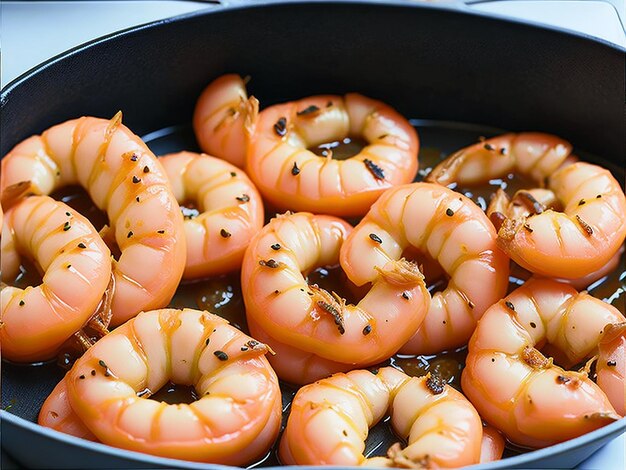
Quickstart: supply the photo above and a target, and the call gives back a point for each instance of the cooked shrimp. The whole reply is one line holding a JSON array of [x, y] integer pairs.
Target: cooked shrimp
[[224, 118], [288, 310], [76, 268], [292, 177], [492, 445], [236, 419], [533, 154], [57, 413], [611, 366], [439, 225], [123, 178], [518, 390], [577, 241], [231, 211], [329, 421]]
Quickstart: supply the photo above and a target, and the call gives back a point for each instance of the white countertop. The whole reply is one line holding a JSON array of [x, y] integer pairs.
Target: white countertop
[[32, 32]]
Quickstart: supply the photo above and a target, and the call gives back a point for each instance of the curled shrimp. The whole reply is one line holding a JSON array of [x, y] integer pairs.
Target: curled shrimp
[[581, 239], [235, 420], [224, 118], [76, 266], [533, 154], [123, 178], [292, 177], [525, 203], [443, 228], [285, 310], [492, 445], [611, 365], [515, 388], [231, 211], [329, 421]]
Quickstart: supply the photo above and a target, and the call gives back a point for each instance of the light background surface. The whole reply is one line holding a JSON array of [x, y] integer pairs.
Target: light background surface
[[32, 32]]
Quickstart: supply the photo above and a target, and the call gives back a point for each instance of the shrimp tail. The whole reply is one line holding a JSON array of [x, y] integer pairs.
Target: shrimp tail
[[402, 272], [251, 113], [16, 192], [397, 459], [612, 332]]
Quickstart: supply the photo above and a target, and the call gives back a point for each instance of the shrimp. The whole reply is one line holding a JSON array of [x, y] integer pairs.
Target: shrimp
[[283, 308], [76, 266], [581, 239], [329, 421], [533, 154], [611, 366], [235, 420], [123, 178], [56, 413], [442, 227], [231, 211], [515, 388], [224, 119], [292, 177], [492, 445]]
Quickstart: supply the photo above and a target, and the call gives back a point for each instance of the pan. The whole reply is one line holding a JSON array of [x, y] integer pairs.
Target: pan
[[459, 74]]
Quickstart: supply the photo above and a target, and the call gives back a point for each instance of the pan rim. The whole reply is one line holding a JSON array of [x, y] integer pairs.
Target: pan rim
[[455, 7], [529, 457]]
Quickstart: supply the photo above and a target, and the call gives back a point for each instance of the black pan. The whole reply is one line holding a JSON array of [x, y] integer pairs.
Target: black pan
[[442, 64]]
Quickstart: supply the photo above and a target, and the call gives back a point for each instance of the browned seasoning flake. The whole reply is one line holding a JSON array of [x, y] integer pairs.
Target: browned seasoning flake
[[270, 263], [82, 377], [436, 384], [449, 212], [586, 227], [136, 179], [561, 379], [93, 372], [221, 355], [233, 174], [375, 238], [146, 169], [503, 151], [295, 170], [611, 363], [21, 303], [533, 324], [275, 246], [528, 228], [243, 198], [374, 169], [367, 330], [225, 233], [471, 304], [68, 214], [67, 226], [133, 158], [489, 147], [137, 199], [129, 234], [335, 313], [207, 341], [281, 127], [161, 231], [308, 110], [509, 305], [406, 295], [581, 202]]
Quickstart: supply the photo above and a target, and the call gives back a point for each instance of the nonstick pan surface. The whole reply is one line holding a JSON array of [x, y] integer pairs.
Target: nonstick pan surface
[[442, 66]]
